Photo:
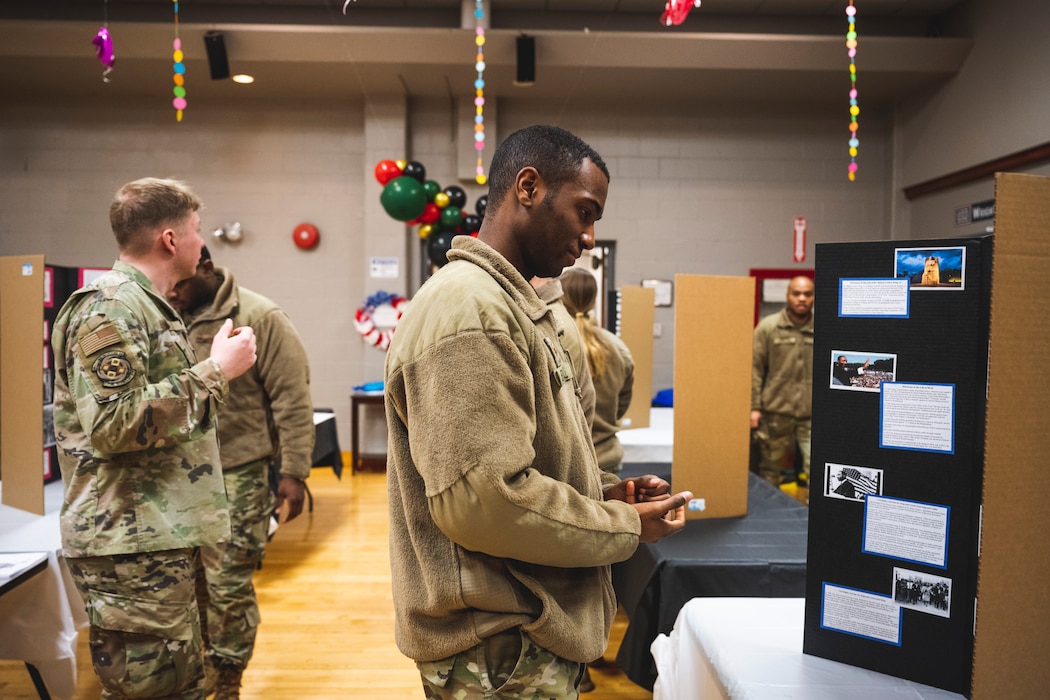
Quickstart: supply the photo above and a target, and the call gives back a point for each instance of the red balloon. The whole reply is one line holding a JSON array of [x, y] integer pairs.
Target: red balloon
[[430, 214], [387, 170], [306, 236]]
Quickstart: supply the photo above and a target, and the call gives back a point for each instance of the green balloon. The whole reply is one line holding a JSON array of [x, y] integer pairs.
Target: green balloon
[[451, 217], [403, 198], [431, 187]]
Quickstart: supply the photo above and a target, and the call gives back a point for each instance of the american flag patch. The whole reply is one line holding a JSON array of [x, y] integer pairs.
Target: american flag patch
[[102, 338]]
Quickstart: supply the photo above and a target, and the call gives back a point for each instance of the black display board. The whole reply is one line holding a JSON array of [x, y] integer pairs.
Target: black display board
[[897, 456]]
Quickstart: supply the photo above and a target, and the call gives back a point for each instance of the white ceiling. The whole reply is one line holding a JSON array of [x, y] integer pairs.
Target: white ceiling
[[587, 51]]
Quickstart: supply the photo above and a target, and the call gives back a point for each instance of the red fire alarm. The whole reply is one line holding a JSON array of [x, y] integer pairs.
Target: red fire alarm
[[306, 236]]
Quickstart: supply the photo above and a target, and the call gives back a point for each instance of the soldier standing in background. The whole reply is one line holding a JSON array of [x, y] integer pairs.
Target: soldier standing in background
[[135, 427], [267, 421], [782, 382]]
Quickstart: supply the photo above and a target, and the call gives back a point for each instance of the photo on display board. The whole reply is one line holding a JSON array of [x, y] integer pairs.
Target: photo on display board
[[932, 268], [49, 425], [924, 592], [853, 370], [851, 483]]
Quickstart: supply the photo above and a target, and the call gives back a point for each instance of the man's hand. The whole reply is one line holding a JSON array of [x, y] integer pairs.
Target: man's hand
[[662, 517], [638, 489], [290, 495], [233, 349], [756, 416]]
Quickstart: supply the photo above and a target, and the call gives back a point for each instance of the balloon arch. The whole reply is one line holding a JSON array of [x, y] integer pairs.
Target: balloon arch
[[440, 212]]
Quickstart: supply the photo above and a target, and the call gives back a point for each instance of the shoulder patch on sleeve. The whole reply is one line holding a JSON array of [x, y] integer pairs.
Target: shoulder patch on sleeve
[[113, 369], [96, 340]]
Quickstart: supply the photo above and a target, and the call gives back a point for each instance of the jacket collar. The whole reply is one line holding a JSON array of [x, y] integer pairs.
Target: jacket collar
[[470, 249], [226, 303], [786, 322], [139, 277]]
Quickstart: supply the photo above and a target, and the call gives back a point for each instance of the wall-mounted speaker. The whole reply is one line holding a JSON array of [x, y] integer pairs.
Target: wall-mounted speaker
[[526, 74], [215, 45]]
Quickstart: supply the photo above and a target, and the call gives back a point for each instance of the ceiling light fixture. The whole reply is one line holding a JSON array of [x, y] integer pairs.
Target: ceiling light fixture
[[243, 79]]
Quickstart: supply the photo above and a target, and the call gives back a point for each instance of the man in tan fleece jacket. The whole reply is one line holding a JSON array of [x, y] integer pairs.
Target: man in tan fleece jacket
[[267, 423], [502, 526]]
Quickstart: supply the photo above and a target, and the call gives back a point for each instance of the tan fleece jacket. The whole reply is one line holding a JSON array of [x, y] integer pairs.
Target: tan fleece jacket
[[496, 511], [613, 391], [782, 366], [269, 409]]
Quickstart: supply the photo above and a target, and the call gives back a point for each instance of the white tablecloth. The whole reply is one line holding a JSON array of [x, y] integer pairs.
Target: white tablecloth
[[751, 649], [39, 619]]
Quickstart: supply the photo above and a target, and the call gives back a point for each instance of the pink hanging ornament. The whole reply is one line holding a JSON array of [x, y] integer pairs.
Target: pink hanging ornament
[[103, 42]]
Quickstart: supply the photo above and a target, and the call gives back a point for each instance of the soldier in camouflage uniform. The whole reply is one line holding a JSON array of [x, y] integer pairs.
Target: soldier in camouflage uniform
[[782, 383], [135, 426], [268, 417]]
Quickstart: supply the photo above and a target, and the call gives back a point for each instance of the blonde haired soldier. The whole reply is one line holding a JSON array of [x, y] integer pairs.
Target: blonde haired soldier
[[611, 365], [135, 426]]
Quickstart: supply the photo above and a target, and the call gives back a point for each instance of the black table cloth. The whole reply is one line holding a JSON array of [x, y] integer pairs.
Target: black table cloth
[[762, 554]]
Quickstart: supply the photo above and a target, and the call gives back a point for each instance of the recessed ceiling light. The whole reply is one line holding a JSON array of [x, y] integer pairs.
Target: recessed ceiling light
[[243, 79]]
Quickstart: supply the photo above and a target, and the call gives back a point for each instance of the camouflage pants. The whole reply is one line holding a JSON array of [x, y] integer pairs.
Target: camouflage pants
[[508, 665], [145, 632], [231, 611], [777, 436]]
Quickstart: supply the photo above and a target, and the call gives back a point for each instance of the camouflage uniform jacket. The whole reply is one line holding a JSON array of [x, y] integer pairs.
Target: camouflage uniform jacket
[[782, 366], [497, 515], [613, 391], [135, 423], [269, 408]]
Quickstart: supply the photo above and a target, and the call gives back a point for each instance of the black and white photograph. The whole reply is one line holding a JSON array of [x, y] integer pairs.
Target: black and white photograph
[[854, 370], [49, 425], [932, 268], [924, 592], [851, 483], [48, 387]]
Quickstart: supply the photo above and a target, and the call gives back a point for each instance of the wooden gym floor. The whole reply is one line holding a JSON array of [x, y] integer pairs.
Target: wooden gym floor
[[328, 620]]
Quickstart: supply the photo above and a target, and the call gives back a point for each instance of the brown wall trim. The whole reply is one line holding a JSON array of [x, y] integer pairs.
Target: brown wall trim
[[1029, 156]]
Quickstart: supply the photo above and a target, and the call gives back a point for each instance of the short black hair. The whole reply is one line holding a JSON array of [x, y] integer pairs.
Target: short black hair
[[556, 154]]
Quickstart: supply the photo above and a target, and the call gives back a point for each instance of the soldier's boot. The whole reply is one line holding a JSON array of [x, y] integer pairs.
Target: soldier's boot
[[228, 683]]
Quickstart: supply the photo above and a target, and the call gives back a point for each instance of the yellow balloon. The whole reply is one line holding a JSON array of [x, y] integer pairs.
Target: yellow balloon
[[401, 163], [441, 200], [481, 179], [424, 230]]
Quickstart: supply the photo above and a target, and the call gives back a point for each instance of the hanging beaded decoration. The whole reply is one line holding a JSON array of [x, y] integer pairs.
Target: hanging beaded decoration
[[479, 92], [180, 69], [854, 109]]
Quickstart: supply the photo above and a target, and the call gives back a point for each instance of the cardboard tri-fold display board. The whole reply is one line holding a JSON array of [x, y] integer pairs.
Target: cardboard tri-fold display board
[[929, 435], [31, 295], [712, 393]]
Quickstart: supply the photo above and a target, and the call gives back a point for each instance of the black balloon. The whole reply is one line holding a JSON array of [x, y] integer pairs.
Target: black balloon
[[481, 205], [438, 244], [471, 223], [456, 196], [415, 170]]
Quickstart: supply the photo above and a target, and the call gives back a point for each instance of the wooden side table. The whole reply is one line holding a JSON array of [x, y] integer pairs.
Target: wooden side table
[[374, 460]]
